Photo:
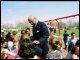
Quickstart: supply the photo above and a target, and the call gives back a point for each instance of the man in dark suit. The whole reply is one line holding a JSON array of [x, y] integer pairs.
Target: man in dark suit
[[40, 36]]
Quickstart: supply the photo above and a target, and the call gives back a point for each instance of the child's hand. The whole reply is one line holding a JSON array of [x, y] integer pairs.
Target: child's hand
[[74, 56], [6, 51]]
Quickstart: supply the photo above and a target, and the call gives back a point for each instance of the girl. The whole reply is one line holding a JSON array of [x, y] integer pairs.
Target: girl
[[14, 53]]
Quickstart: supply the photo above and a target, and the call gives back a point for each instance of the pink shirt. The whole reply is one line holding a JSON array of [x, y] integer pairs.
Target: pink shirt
[[15, 51]]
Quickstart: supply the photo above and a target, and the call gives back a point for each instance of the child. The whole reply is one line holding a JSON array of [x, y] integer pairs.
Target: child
[[14, 53], [4, 46], [4, 53], [27, 50], [4, 43], [53, 52]]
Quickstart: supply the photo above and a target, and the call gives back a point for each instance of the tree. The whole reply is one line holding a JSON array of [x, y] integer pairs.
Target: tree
[[23, 25], [70, 23], [62, 24], [76, 24], [4, 26]]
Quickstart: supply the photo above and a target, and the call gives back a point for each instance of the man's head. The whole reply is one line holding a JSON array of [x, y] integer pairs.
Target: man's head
[[72, 34], [32, 20], [65, 31]]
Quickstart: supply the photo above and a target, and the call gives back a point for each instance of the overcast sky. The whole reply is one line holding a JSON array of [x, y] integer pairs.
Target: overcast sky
[[15, 11]]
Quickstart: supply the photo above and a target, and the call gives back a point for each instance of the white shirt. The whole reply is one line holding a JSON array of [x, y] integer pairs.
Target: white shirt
[[72, 41]]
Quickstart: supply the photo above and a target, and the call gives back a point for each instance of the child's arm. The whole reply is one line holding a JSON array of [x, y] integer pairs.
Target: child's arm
[[11, 53], [14, 52]]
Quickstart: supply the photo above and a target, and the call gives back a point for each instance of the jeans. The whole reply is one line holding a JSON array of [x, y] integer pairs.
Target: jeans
[[38, 49], [65, 42]]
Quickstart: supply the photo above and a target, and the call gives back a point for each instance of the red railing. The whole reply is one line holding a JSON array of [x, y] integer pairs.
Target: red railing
[[56, 19]]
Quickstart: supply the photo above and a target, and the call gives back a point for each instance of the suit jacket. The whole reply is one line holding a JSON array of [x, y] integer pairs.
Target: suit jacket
[[41, 33]]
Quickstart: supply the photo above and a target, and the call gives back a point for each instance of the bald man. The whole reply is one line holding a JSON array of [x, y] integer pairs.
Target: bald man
[[40, 36]]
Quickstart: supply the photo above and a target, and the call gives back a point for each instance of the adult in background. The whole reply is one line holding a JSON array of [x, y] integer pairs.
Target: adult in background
[[51, 32], [40, 36], [71, 41], [65, 38], [74, 52], [55, 31]]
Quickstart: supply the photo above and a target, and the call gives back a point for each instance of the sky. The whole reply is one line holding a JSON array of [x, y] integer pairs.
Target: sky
[[13, 12]]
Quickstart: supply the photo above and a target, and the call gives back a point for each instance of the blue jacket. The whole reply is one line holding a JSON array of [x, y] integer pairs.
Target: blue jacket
[[41, 33]]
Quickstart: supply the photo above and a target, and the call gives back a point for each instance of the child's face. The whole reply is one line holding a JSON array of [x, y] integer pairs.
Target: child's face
[[73, 35], [50, 47], [77, 50], [5, 44], [11, 35], [15, 43], [4, 53]]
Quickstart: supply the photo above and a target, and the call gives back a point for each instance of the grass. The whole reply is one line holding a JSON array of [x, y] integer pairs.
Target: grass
[[76, 31]]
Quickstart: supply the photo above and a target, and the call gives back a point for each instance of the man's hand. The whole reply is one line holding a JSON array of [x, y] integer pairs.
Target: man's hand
[[35, 42]]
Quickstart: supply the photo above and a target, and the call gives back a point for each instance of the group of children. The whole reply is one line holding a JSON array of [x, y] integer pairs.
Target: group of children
[[13, 47], [9, 46]]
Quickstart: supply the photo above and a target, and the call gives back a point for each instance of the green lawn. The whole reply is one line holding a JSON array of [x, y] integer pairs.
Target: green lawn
[[76, 31]]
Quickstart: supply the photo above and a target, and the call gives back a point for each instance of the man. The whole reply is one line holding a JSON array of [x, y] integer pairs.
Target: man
[[65, 38], [74, 52], [51, 31], [72, 41], [40, 36], [54, 30]]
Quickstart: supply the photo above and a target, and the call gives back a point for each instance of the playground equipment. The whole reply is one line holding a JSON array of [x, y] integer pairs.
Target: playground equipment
[[59, 38], [56, 19]]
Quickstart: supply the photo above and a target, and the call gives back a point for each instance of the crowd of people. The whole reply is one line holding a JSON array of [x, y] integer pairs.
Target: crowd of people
[[24, 47], [13, 47]]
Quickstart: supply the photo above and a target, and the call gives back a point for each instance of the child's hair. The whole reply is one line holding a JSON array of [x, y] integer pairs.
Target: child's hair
[[54, 46], [16, 40], [72, 33], [8, 35], [4, 43], [22, 31], [73, 49], [14, 32], [28, 29], [58, 43], [27, 49], [77, 43]]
